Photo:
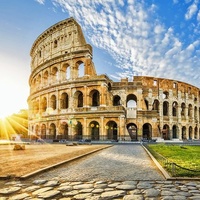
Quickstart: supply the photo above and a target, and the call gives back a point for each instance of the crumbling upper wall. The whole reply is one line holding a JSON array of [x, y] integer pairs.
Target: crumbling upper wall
[[63, 38]]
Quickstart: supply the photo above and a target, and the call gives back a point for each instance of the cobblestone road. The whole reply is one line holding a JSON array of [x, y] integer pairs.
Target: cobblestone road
[[122, 172], [118, 163]]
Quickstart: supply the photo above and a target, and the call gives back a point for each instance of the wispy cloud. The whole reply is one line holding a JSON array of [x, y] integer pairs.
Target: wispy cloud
[[40, 1], [134, 36]]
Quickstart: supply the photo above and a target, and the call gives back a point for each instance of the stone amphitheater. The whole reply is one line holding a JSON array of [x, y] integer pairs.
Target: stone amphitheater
[[69, 101]]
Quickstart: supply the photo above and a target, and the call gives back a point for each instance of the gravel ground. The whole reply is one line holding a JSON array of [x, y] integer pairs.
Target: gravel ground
[[117, 163]]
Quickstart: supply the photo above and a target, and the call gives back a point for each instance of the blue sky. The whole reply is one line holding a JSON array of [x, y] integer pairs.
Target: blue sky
[[129, 37]]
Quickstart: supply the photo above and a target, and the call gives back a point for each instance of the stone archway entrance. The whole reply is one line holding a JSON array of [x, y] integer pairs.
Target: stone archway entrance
[[147, 131], [132, 130], [94, 130], [165, 132]]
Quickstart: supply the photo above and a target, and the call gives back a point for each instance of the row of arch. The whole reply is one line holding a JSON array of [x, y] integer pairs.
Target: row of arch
[[75, 132], [54, 74]]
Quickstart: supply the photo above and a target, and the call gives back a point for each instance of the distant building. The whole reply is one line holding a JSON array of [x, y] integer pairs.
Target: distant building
[[69, 100]]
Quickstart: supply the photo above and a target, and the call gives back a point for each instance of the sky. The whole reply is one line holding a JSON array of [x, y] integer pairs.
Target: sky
[[158, 38]]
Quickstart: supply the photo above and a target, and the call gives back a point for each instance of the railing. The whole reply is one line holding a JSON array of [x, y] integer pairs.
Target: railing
[[174, 169]]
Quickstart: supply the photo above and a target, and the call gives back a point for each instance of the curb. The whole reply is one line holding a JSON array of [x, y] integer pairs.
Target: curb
[[52, 166], [162, 170]]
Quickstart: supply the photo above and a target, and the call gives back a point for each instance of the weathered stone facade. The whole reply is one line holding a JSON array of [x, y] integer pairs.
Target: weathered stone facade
[[69, 100]]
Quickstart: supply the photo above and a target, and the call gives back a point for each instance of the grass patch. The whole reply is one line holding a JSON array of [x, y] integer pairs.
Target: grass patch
[[182, 155]]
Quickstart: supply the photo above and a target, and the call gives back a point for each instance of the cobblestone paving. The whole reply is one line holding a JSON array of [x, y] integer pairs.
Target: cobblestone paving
[[59, 189], [108, 181], [118, 163]]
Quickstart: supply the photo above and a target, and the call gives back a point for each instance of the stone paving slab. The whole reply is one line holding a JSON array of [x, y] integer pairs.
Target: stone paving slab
[[125, 190]]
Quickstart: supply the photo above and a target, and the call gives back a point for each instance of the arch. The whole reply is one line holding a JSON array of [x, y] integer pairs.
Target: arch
[[53, 102], [55, 74], [55, 43], [195, 114], [174, 108], [165, 108], [166, 132], [81, 69], [131, 101], [112, 132], [95, 98], [116, 100], [64, 131], [64, 101], [147, 131], [195, 132], [94, 130], [78, 99], [184, 136], [39, 80], [79, 131], [46, 78], [109, 87], [165, 95], [183, 109], [43, 131], [155, 105], [174, 131], [190, 110], [37, 131], [52, 131], [65, 72], [44, 104], [190, 133], [132, 130]]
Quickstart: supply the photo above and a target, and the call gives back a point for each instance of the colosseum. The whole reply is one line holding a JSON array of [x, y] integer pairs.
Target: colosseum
[[69, 100]]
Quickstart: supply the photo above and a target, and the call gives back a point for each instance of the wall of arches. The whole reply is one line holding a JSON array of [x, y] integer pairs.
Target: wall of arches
[[69, 100]]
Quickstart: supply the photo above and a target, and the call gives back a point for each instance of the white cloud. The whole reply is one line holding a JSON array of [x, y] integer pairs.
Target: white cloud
[[40, 1], [192, 10], [139, 43]]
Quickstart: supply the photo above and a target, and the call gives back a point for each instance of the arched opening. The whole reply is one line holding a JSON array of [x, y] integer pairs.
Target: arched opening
[[81, 69], [55, 74], [95, 98], [94, 130], [131, 101], [44, 104], [52, 131], [53, 102], [66, 131], [155, 105], [64, 101], [78, 99], [195, 132], [43, 131], [147, 131], [165, 108], [190, 133], [111, 128], [79, 131], [45, 78], [184, 136], [132, 130], [174, 131], [165, 95], [183, 110], [174, 109], [166, 132], [190, 111], [116, 100]]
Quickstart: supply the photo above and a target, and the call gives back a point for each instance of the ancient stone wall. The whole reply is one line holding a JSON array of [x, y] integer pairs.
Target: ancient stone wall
[[69, 100]]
